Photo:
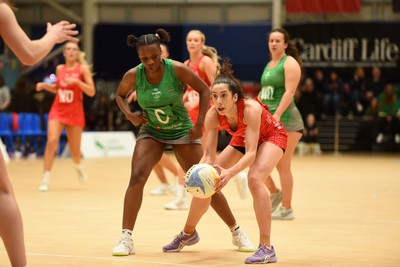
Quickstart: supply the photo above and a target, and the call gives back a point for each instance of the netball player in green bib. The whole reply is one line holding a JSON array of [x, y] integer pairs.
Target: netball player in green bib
[[279, 82], [160, 85]]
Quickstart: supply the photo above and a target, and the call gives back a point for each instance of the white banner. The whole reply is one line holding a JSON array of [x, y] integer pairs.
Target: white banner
[[107, 144]]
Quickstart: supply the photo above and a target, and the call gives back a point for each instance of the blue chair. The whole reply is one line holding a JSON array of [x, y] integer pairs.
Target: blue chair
[[29, 128], [5, 131]]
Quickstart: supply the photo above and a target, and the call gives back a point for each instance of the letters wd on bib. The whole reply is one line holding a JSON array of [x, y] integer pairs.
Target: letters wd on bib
[[107, 144]]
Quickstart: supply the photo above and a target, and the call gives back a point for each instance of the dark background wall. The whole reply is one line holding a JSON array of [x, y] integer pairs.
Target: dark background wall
[[246, 46]]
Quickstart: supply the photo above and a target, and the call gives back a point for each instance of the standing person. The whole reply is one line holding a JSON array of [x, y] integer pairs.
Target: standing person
[[160, 84], [258, 142], [203, 60], [165, 162], [74, 78], [29, 52], [279, 82]]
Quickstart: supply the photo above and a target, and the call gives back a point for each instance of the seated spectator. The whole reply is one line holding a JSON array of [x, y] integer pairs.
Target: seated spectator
[[22, 98], [320, 85], [307, 99], [375, 84], [101, 113], [388, 107], [309, 141], [333, 96], [5, 96], [358, 98]]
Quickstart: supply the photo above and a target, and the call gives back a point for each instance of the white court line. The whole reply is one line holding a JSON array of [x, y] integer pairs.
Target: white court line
[[109, 259]]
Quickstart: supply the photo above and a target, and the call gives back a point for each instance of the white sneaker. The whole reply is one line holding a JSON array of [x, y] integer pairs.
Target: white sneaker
[[177, 204], [173, 189], [397, 138], [360, 107], [283, 214], [162, 190], [43, 187], [379, 138], [82, 176], [276, 199], [124, 246], [242, 186], [240, 239]]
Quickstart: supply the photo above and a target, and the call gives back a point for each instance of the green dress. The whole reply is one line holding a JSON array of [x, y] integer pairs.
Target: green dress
[[161, 103], [273, 88]]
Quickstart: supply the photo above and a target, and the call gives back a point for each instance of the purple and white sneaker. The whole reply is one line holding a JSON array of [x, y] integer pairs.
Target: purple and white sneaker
[[262, 255], [180, 241]]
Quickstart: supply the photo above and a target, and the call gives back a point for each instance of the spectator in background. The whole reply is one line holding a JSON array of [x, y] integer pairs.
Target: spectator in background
[[309, 141], [101, 112], [388, 107], [333, 95], [308, 100], [5, 96], [320, 86], [375, 84], [22, 97], [358, 97]]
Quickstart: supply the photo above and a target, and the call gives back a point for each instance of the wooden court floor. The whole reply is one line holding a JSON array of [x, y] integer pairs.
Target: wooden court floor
[[347, 210]]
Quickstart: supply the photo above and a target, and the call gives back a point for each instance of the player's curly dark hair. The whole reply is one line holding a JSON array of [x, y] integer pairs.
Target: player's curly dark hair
[[161, 35], [225, 75]]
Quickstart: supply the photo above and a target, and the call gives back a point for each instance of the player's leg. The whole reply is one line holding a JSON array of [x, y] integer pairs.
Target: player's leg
[[286, 178], [268, 156], [228, 157], [54, 129], [180, 202], [165, 187], [145, 156], [11, 228], [188, 155], [74, 136]]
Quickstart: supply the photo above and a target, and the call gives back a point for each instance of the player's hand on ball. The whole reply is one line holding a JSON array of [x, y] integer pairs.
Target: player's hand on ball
[[224, 177]]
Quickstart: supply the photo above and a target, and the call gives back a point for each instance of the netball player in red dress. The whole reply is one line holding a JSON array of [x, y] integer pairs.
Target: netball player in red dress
[[74, 78], [258, 142]]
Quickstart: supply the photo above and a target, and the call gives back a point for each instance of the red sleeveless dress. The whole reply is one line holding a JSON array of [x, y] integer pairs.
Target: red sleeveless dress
[[68, 103], [193, 114], [270, 130]]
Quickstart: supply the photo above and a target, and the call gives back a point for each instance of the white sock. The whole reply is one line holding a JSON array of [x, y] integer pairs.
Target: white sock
[[127, 232], [235, 228], [184, 233], [78, 167], [46, 176], [180, 192]]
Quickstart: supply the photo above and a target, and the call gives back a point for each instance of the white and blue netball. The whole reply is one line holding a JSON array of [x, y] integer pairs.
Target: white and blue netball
[[200, 180]]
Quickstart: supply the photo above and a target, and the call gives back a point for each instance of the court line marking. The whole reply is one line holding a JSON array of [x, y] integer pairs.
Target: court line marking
[[109, 259]]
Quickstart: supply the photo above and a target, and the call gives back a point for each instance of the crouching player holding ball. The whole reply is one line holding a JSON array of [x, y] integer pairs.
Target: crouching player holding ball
[[258, 142]]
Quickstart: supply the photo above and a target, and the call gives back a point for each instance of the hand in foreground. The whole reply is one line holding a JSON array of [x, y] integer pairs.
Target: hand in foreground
[[62, 31]]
